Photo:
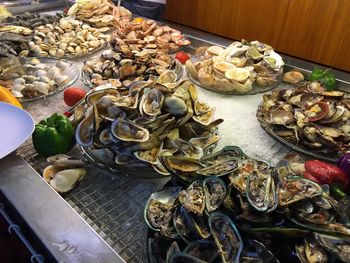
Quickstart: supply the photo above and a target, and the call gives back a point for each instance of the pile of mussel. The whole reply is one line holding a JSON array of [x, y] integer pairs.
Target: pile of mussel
[[309, 117], [244, 210], [31, 20], [120, 69], [140, 124]]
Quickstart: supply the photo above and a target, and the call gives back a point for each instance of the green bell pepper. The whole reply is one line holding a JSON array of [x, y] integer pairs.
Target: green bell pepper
[[325, 76], [53, 135]]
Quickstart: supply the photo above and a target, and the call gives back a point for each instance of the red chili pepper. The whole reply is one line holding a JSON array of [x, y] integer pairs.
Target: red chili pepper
[[325, 173]]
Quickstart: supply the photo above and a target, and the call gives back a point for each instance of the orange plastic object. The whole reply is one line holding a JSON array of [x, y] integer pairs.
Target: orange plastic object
[[6, 96], [138, 20]]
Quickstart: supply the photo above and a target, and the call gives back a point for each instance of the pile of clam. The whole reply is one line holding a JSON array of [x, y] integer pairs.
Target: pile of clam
[[143, 33], [146, 121], [99, 13], [117, 69], [243, 210], [30, 77], [243, 67], [309, 117], [66, 38]]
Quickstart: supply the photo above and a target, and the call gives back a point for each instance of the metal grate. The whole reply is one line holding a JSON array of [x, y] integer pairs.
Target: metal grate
[[112, 205]]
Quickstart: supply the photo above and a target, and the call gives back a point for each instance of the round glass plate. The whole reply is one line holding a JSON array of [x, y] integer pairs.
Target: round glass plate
[[86, 80], [297, 148], [255, 90], [136, 169], [71, 71]]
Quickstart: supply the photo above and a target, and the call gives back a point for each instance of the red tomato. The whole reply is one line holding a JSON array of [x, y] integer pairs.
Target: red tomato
[[72, 95], [182, 57], [325, 173]]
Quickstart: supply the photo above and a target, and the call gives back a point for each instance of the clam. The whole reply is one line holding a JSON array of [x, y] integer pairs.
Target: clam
[[87, 127], [242, 87], [151, 102], [128, 131], [64, 174], [175, 106]]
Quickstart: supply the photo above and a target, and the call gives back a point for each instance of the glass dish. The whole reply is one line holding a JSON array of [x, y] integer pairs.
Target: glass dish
[[136, 169], [255, 90], [72, 72]]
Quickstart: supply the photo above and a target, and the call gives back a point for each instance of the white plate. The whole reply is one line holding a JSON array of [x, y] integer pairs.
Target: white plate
[[16, 125]]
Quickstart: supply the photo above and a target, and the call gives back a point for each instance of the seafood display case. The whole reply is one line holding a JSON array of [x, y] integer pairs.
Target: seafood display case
[[107, 207]]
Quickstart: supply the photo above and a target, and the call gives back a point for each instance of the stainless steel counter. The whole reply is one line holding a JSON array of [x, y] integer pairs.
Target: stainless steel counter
[[102, 219]]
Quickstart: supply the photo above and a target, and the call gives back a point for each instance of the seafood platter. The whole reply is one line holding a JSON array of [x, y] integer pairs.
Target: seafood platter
[[31, 20], [130, 127], [30, 79], [308, 119], [241, 68], [233, 208], [120, 69]]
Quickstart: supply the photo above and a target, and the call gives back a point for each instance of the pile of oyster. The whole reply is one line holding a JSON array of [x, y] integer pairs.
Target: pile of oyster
[[118, 69], [140, 33], [99, 13], [30, 77], [139, 125], [243, 67], [31, 20], [14, 41], [66, 38], [309, 117], [245, 211]]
